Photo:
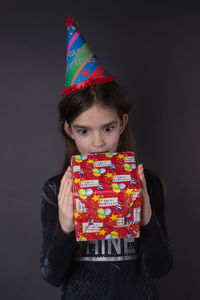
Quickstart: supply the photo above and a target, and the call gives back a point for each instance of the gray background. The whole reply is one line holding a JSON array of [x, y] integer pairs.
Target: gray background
[[153, 49]]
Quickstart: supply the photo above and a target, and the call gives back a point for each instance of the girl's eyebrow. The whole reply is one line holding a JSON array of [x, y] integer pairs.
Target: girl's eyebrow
[[83, 126]]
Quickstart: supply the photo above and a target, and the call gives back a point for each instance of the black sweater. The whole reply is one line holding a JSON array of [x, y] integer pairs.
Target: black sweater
[[112, 269]]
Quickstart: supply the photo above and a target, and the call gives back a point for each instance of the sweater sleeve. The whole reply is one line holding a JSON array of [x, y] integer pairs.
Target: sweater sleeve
[[57, 247], [154, 236]]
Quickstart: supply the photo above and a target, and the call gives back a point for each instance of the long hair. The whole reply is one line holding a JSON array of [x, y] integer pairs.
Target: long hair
[[107, 94]]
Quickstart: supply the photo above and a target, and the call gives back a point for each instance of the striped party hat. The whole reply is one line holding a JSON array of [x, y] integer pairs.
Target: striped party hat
[[82, 66]]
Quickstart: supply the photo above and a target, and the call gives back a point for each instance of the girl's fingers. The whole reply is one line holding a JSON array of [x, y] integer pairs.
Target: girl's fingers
[[63, 184], [141, 175], [67, 178], [140, 171], [64, 178], [66, 202], [68, 196], [63, 191], [70, 202]]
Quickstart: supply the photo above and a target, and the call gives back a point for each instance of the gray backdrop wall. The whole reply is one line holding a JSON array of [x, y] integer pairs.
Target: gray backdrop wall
[[153, 49]]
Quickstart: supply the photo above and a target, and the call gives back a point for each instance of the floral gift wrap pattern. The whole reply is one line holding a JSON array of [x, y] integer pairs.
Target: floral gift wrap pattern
[[107, 196]]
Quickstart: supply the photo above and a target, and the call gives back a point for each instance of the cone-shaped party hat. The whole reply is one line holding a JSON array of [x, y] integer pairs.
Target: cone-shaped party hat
[[82, 66]]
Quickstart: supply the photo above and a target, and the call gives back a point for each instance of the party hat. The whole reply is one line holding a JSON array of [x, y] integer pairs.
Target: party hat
[[82, 66]]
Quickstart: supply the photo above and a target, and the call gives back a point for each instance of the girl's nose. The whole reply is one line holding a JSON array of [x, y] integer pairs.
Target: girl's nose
[[98, 140]]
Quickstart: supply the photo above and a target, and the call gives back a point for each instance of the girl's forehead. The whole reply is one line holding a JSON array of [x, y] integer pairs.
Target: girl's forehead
[[97, 112]]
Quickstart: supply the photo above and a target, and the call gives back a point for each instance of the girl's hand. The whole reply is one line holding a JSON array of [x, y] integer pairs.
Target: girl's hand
[[66, 203], [146, 211]]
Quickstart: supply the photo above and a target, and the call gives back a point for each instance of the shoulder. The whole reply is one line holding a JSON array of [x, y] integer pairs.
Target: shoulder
[[55, 179], [150, 174], [156, 188], [154, 181], [52, 184]]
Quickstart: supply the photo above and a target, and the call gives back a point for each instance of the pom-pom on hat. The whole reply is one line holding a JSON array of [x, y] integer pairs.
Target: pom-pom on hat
[[82, 66]]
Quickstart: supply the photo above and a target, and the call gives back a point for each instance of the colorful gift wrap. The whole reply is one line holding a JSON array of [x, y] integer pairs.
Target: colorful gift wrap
[[107, 196]]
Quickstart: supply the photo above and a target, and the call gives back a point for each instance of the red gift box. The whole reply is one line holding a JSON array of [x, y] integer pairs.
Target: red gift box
[[107, 196]]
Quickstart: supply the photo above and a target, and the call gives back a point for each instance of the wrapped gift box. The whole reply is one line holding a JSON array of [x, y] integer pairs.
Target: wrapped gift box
[[107, 196]]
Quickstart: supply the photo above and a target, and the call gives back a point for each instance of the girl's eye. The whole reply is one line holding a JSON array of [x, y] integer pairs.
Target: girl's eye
[[108, 128], [82, 131]]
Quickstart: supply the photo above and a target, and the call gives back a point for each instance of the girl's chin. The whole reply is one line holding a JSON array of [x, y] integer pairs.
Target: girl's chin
[[107, 151], [99, 152]]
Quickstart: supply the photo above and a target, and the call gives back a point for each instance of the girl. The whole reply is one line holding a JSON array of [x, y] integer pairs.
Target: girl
[[95, 119]]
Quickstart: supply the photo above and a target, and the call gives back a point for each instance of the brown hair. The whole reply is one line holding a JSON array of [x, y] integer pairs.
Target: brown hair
[[108, 94]]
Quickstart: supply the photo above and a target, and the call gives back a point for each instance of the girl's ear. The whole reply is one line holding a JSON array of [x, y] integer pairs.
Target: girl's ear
[[123, 123], [68, 130]]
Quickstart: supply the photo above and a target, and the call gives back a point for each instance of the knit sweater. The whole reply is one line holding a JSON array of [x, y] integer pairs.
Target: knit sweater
[[105, 269]]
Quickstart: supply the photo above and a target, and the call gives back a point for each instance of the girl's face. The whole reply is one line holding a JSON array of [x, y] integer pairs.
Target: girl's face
[[97, 129]]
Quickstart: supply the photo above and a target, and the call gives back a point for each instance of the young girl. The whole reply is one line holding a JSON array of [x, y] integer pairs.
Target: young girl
[[94, 119]]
